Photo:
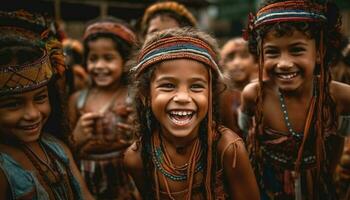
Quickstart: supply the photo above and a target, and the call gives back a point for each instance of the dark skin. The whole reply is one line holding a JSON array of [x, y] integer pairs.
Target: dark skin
[[241, 180], [22, 159]]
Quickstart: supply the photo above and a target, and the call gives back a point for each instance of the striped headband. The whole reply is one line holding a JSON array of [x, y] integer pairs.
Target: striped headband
[[111, 27], [297, 10], [176, 48]]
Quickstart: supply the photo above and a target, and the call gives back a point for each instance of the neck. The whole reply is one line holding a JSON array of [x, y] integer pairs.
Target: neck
[[180, 145]]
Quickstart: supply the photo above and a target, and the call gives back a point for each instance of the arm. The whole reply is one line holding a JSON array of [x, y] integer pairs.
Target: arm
[[247, 107], [240, 177], [133, 164], [84, 190]]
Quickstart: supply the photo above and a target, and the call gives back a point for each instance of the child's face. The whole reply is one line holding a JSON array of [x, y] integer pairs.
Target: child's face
[[179, 96], [238, 63], [161, 22], [104, 63], [23, 115], [289, 60]]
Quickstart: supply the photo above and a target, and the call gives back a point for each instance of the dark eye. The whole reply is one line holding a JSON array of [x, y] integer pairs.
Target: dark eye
[[92, 58], [297, 50], [197, 87], [11, 104], [271, 53], [166, 86], [41, 98], [109, 57]]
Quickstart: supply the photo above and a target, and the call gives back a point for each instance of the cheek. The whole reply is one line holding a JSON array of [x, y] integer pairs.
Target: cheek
[[45, 110]]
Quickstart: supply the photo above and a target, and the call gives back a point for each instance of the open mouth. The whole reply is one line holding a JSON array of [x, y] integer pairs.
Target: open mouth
[[181, 118], [32, 127], [287, 76]]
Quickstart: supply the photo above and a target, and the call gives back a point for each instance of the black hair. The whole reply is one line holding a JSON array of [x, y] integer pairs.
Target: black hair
[[141, 91], [17, 50], [123, 47]]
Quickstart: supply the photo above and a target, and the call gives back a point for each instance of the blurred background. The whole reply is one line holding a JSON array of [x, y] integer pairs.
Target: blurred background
[[222, 18]]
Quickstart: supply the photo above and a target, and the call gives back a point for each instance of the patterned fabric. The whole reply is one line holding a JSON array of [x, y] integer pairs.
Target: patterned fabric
[[25, 184], [101, 163], [296, 10], [25, 77], [176, 47], [275, 169]]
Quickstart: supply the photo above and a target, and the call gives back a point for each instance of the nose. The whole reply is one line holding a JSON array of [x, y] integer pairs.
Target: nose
[[100, 64], [31, 112], [182, 97], [285, 63]]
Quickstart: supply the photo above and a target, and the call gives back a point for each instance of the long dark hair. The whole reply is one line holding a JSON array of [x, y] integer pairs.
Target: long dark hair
[[146, 123]]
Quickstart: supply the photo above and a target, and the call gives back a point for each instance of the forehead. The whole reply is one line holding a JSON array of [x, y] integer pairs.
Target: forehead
[[162, 22], [273, 37], [27, 94], [102, 43], [234, 46], [181, 68]]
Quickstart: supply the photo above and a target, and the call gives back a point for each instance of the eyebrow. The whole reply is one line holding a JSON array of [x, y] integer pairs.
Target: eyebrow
[[16, 96]]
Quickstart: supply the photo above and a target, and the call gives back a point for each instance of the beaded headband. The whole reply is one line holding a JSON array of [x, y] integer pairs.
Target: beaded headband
[[113, 28], [22, 25], [170, 6], [176, 48]]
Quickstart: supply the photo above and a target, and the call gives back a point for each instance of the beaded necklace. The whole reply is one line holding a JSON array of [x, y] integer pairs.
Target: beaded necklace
[[299, 136], [50, 172], [168, 169]]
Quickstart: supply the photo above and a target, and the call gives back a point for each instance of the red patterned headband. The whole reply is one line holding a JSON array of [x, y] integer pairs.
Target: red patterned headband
[[176, 48], [111, 27]]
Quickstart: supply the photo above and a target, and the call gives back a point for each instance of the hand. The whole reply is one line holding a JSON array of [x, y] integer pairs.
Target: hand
[[84, 128]]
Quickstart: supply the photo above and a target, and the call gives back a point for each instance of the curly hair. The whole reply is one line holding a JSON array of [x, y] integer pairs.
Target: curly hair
[[123, 47], [141, 92], [328, 39]]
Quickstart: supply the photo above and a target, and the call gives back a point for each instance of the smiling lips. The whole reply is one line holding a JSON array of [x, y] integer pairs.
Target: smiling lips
[[181, 118], [287, 76], [30, 127]]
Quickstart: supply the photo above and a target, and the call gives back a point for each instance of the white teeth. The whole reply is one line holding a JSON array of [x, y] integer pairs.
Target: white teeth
[[288, 76], [181, 113]]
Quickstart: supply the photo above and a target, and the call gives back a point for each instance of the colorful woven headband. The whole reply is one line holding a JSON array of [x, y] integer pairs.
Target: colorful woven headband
[[176, 48], [168, 6], [297, 10], [25, 77], [111, 27]]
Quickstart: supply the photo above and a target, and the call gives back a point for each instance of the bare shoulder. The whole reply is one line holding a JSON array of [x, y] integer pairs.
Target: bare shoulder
[[250, 92], [341, 94], [132, 158], [228, 141], [248, 97]]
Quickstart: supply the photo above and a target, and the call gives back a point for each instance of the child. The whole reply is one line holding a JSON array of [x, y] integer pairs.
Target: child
[[165, 15], [183, 153], [34, 164], [296, 109], [238, 63], [240, 67], [100, 112]]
